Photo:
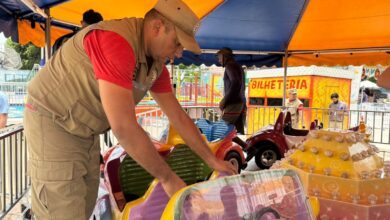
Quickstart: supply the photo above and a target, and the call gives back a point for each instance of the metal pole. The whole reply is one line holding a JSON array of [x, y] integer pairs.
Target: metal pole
[[48, 35], [285, 64], [173, 77]]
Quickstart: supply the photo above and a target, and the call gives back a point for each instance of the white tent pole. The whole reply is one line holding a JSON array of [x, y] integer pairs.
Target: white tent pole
[[48, 35], [285, 64]]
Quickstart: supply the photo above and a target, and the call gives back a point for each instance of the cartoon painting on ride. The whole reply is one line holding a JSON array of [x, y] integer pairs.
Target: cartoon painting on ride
[[272, 194]]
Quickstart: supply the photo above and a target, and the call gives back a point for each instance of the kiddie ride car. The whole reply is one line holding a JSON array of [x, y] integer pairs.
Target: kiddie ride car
[[129, 192], [272, 142]]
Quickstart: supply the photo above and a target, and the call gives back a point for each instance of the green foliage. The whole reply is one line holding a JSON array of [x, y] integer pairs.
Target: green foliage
[[29, 53], [372, 79], [190, 72]]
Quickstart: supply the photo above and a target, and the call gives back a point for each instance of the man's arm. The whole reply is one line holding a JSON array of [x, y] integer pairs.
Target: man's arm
[[329, 110], [119, 107], [189, 132], [346, 111], [4, 105], [3, 120]]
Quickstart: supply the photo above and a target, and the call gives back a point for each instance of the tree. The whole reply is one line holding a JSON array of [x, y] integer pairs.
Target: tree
[[29, 53], [190, 72]]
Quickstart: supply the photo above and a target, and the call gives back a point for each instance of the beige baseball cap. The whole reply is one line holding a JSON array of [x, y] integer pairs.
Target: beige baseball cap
[[293, 91], [185, 21]]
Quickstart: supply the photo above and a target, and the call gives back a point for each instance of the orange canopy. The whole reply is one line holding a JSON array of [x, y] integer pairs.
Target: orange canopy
[[37, 35], [71, 12], [345, 24]]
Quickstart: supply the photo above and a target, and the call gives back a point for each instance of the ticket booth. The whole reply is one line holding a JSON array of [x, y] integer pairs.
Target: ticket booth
[[314, 86]]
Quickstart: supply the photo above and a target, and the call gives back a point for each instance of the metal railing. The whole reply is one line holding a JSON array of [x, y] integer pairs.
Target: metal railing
[[155, 122], [385, 156], [378, 122], [14, 182], [16, 93]]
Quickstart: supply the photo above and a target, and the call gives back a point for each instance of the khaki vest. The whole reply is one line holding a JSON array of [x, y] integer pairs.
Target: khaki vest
[[293, 106], [67, 90]]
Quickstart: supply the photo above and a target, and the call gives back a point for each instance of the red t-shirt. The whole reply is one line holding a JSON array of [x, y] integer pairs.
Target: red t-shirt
[[113, 60]]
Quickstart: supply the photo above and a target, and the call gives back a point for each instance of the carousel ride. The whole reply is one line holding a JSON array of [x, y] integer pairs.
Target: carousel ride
[[343, 170]]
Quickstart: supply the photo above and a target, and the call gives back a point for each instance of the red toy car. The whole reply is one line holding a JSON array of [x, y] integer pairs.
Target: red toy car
[[272, 142]]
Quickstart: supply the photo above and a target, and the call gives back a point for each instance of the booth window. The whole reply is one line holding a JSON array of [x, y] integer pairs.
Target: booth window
[[256, 101], [275, 102], [305, 102]]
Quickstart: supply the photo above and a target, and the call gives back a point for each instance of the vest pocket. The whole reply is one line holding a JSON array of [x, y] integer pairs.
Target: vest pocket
[[82, 122]]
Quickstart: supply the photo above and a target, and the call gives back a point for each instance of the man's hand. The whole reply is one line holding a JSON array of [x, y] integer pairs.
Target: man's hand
[[223, 167], [172, 184]]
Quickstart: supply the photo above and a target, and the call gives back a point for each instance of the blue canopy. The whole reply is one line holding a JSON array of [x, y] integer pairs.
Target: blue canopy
[[248, 25], [252, 25]]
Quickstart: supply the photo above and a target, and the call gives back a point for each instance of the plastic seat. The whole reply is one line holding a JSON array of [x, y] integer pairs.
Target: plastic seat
[[214, 130], [220, 130], [206, 127], [184, 162]]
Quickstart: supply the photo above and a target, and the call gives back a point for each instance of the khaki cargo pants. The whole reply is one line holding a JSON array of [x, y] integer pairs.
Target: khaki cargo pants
[[295, 121], [64, 169]]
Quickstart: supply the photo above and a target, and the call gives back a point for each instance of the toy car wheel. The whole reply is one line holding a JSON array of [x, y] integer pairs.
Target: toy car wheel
[[235, 159], [266, 156]]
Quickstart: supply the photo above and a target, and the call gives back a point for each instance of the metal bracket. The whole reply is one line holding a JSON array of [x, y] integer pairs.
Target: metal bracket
[[35, 8]]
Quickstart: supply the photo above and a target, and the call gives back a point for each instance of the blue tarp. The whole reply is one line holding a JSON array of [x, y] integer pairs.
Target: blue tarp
[[255, 25], [8, 25], [19, 9], [249, 25]]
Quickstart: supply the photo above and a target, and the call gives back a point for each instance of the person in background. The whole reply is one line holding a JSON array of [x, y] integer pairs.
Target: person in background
[[337, 112], [233, 104], [295, 107], [89, 17], [4, 105], [363, 97]]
